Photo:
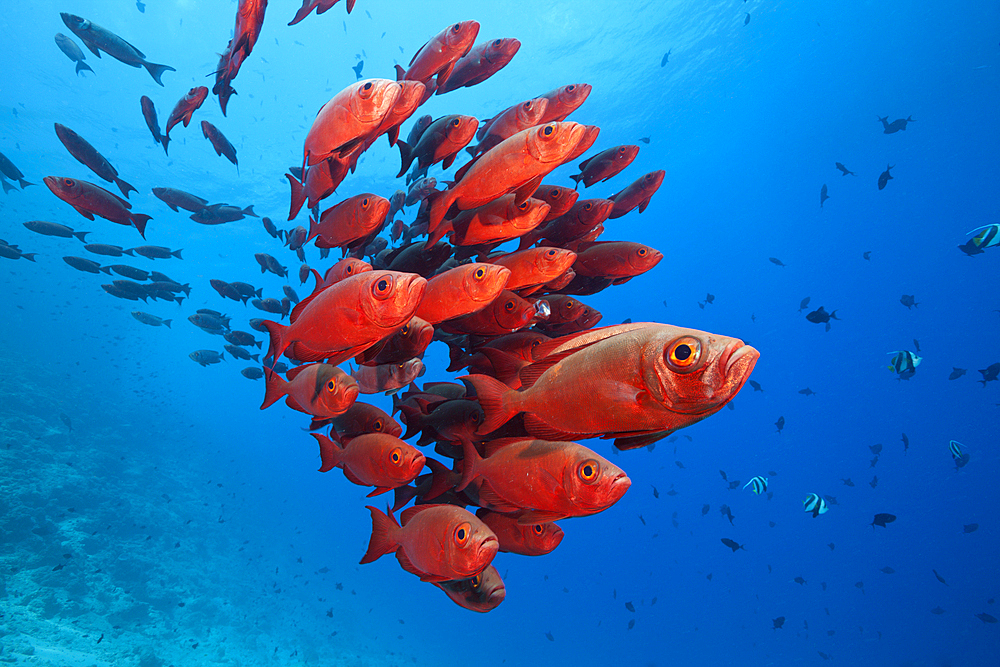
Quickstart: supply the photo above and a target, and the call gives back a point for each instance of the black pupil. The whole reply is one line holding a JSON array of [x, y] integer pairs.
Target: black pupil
[[683, 352], [461, 533], [368, 86], [496, 43], [330, 384], [538, 529], [570, 88], [378, 426], [383, 285], [510, 305], [588, 471], [364, 202], [455, 122], [548, 131]]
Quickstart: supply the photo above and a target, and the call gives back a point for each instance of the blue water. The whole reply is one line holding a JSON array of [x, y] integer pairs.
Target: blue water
[[182, 491]]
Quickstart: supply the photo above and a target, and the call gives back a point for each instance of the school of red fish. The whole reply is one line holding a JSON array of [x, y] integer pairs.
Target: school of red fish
[[538, 375]]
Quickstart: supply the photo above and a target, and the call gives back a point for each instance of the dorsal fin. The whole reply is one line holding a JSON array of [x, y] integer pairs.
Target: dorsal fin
[[411, 512]]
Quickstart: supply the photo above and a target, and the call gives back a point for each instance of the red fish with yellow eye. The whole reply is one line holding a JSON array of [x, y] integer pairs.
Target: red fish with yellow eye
[[500, 220], [349, 118], [440, 142], [345, 268], [534, 267], [347, 318], [536, 539], [183, 110], [507, 123], [409, 342], [363, 418], [435, 542], [564, 100], [482, 593], [90, 200], [539, 480], [318, 182], [482, 62], [585, 216], [438, 56], [514, 166], [605, 165], [506, 314], [559, 199], [373, 459], [350, 223], [320, 390], [461, 291], [410, 98], [637, 194], [615, 259], [648, 379]]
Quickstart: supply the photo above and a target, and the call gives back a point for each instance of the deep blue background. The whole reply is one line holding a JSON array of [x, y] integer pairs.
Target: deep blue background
[[747, 122]]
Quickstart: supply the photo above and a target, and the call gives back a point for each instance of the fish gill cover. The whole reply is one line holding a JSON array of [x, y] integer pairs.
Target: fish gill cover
[[151, 514]]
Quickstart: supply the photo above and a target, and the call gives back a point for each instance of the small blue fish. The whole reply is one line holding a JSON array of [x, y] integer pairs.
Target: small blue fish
[[758, 483], [813, 503], [956, 449]]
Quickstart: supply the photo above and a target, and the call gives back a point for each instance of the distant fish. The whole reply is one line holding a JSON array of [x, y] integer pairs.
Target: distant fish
[[644, 140], [800, 581], [845, 170], [823, 196], [874, 481], [804, 304], [847, 481], [140, 6], [709, 298], [776, 261], [888, 570], [937, 611], [832, 546], [882, 519], [705, 509], [252, 373], [755, 385], [939, 577], [813, 503], [732, 544], [758, 483], [916, 343], [909, 301], [896, 125], [956, 373], [666, 57], [867, 255], [860, 586], [970, 528], [780, 423], [986, 618], [726, 512], [885, 176], [989, 373], [778, 622], [820, 316], [151, 320], [73, 52], [357, 69], [875, 449], [904, 362], [906, 443], [630, 607], [807, 392], [206, 357], [746, 21]]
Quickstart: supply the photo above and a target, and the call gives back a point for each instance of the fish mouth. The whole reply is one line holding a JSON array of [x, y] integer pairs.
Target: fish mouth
[[738, 361]]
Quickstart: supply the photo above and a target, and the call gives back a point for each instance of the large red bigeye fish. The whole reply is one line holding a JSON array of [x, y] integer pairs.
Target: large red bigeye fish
[[435, 542], [320, 390], [348, 118], [373, 459], [90, 200], [647, 379]]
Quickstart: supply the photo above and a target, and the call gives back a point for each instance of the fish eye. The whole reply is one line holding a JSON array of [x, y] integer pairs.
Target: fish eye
[[588, 471], [349, 270], [396, 455], [496, 42], [377, 425], [382, 287], [331, 385], [367, 86], [456, 28], [621, 150], [554, 193], [535, 343], [476, 581], [588, 206], [570, 88], [526, 106], [480, 273], [455, 122], [523, 206], [462, 532], [364, 203], [405, 331], [538, 529], [550, 253], [642, 252], [509, 306], [549, 129], [684, 353], [69, 182]]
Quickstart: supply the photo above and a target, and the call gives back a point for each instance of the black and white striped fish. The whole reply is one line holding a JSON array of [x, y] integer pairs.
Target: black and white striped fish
[[758, 483], [813, 503]]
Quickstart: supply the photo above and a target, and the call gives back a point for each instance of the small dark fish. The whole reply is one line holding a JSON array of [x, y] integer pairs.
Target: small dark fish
[[656, 494], [860, 586], [666, 58], [804, 304], [630, 607], [755, 385], [778, 622], [644, 140], [732, 544], [968, 528], [221, 145], [909, 301], [832, 546], [939, 577], [888, 570], [206, 357], [882, 519], [845, 171], [73, 52], [724, 477], [746, 21], [885, 176], [937, 611], [990, 373], [728, 513], [548, 635], [807, 392], [679, 464], [867, 255], [823, 196], [357, 69], [88, 265], [986, 618], [705, 509], [142, 10], [906, 443], [631, 623], [874, 483], [875, 449], [800, 581], [780, 423], [710, 298], [956, 373], [252, 373], [896, 125], [776, 261], [916, 343], [733, 485]]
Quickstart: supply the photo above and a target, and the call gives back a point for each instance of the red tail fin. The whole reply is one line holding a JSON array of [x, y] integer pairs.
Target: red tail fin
[[276, 347], [493, 396], [276, 388], [441, 479], [329, 452], [383, 539], [298, 195], [140, 220]]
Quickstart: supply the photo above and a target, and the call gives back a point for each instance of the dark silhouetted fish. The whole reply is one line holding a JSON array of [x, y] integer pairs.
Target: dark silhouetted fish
[[986, 618], [956, 373], [807, 392], [776, 261], [882, 519], [970, 528], [867, 255], [847, 481], [357, 69], [874, 481], [909, 301], [755, 385], [885, 176], [804, 304], [100, 39], [939, 577], [780, 423], [823, 196], [778, 622], [845, 171], [732, 544], [989, 373], [820, 316], [896, 125], [800, 581], [906, 444], [73, 52], [888, 570], [937, 611], [746, 21], [666, 58], [90, 266]]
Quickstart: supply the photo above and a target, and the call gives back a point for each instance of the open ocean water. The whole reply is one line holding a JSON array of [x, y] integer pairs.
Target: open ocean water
[[151, 514]]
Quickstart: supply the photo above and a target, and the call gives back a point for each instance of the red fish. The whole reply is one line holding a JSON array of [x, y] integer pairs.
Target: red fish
[[90, 200], [407, 343], [482, 593], [564, 101], [559, 199], [648, 379], [149, 114], [320, 6], [246, 31], [585, 216], [438, 56], [363, 418], [482, 62], [349, 317], [535, 539], [88, 155], [440, 142], [507, 123], [616, 259], [183, 110], [637, 194], [410, 98], [435, 542], [387, 377], [372, 459], [500, 220], [535, 266], [220, 143], [605, 164], [542, 481], [515, 165], [590, 135], [349, 117], [461, 291], [320, 390], [321, 180], [506, 314], [351, 222], [588, 319]]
